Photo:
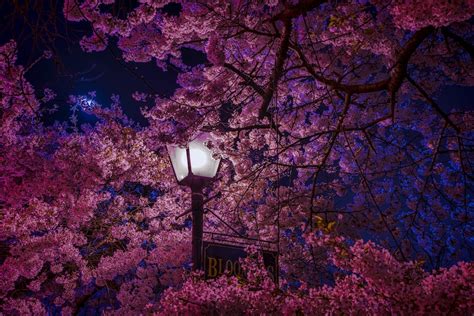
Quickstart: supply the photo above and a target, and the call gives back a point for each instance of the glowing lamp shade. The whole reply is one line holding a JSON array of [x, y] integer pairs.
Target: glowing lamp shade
[[201, 162]]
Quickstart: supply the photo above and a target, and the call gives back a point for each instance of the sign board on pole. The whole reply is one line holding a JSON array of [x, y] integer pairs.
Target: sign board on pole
[[220, 258]]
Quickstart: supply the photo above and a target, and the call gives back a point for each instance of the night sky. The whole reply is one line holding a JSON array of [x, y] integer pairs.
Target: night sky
[[74, 72]]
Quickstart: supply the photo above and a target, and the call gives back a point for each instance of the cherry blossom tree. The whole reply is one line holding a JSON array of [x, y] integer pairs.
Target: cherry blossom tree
[[327, 119], [371, 282]]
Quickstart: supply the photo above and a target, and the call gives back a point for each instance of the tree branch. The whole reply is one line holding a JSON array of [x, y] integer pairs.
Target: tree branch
[[277, 70], [248, 80], [347, 104], [392, 83], [293, 11], [461, 41], [433, 104], [399, 71]]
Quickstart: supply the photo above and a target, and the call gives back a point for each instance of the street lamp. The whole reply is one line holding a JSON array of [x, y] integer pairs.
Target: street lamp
[[195, 167]]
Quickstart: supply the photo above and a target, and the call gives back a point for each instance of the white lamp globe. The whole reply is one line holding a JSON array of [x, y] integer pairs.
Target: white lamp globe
[[195, 160]]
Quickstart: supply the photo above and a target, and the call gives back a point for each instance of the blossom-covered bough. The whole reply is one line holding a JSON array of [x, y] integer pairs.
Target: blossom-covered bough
[[326, 115]]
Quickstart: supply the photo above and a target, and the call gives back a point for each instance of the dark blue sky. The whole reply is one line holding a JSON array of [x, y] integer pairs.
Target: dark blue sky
[[74, 72]]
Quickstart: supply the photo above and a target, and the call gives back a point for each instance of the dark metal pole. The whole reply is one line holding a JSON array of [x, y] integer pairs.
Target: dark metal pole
[[197, 209]]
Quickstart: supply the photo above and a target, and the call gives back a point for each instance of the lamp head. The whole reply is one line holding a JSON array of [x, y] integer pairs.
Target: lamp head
[[194, 164]]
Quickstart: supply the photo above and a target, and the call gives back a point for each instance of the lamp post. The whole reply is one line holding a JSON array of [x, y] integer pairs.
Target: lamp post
[[195, 167]]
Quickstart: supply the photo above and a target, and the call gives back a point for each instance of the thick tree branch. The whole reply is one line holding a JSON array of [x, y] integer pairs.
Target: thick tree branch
[[399, 71], [293, 11], [277, 70], [391, 84]]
